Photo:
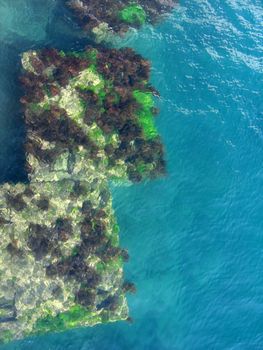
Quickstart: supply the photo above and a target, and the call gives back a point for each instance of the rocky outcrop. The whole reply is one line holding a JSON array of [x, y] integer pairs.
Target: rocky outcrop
[[104, 19], [90, 120]]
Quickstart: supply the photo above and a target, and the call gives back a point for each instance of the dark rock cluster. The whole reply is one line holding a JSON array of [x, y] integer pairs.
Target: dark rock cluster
[[118, 16], [123, 106], [90, 119]]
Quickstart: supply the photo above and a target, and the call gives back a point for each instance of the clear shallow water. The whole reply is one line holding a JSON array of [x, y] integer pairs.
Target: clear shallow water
[[196, 237]]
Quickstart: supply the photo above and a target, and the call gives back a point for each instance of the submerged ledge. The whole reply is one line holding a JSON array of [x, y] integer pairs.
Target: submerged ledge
[[90, 120]]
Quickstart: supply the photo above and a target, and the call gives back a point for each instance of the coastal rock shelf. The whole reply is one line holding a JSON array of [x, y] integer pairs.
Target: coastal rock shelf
[[103, 19], [90, 120]]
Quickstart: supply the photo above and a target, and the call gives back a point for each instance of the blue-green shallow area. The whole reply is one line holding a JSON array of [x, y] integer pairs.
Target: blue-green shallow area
[[196, 237]]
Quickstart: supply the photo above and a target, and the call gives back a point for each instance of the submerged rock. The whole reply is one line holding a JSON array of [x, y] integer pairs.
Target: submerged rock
[[103, 19], [90, 120], [90, 110]]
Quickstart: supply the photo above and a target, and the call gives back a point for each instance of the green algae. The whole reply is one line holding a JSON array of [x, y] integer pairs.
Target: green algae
[[6, 336], [76, 316], [145, 115], [133, 14], [146, 121], [143, 168], [115, 235], [144, 98]]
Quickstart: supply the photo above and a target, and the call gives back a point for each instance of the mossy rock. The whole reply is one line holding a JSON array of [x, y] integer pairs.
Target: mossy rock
[[89, 119], [133, 14], [114, 18]]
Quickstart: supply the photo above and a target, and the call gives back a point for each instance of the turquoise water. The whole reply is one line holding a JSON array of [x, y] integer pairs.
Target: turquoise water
[[195, 237]]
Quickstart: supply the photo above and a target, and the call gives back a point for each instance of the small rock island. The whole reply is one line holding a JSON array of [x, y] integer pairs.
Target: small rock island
[[104, 19]]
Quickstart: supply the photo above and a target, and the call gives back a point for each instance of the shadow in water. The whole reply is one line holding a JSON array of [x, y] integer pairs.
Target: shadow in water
[[61, 33]]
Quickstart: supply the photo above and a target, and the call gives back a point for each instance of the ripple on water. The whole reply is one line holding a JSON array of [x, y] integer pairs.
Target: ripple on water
[[195, 237]]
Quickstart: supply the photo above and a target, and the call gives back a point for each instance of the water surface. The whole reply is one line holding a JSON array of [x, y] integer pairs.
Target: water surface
[[195, 237]]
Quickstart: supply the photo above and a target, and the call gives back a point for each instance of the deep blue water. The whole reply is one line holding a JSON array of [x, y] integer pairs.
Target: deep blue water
[[195, 237]]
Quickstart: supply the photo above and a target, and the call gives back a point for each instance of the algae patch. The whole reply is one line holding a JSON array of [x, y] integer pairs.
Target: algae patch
[[133, 14]]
